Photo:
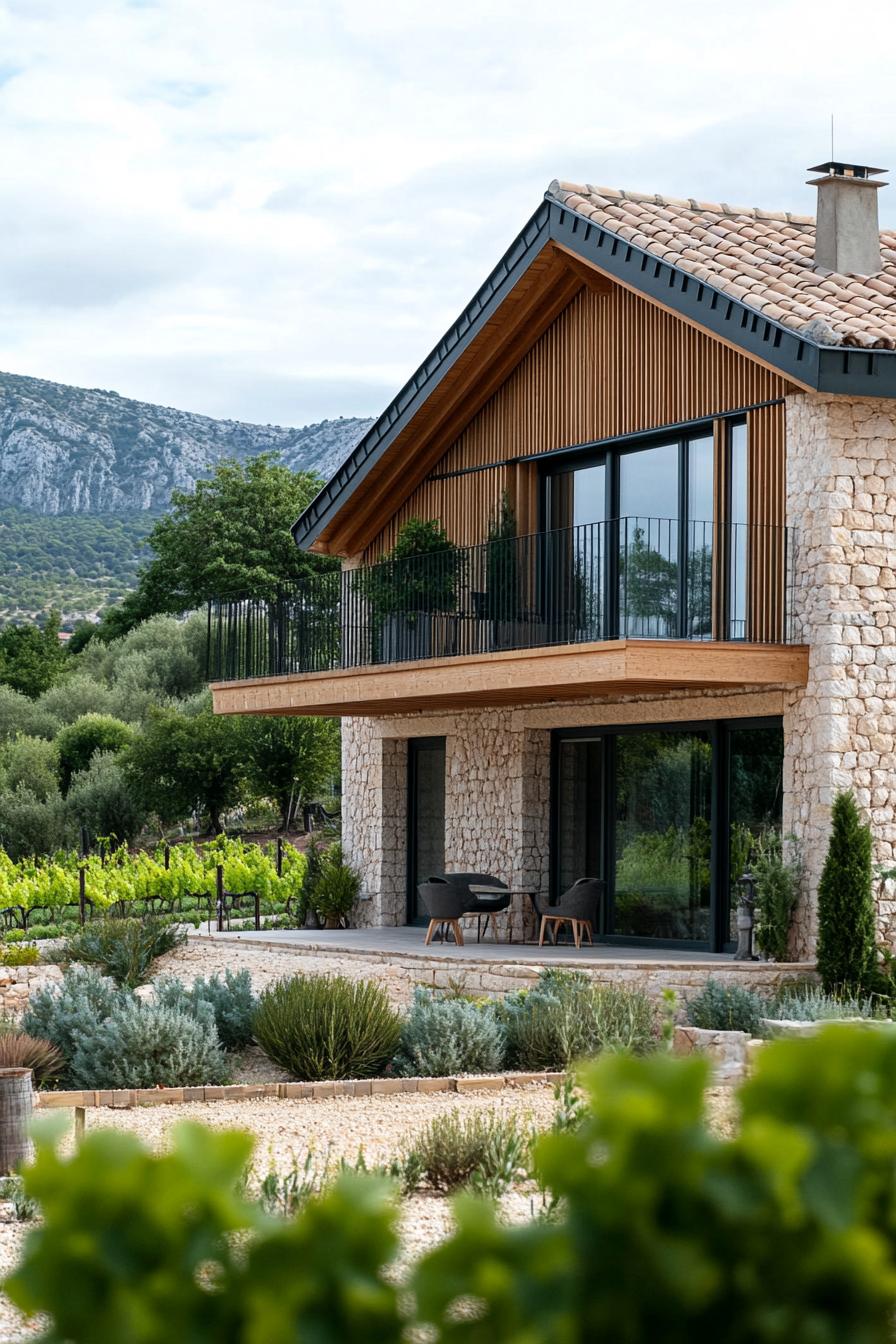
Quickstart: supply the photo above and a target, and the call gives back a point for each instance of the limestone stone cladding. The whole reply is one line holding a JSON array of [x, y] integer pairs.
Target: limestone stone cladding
[[840, 732], [497, 788]]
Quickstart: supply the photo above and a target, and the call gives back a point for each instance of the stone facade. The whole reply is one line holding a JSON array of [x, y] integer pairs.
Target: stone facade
[[840, 732]]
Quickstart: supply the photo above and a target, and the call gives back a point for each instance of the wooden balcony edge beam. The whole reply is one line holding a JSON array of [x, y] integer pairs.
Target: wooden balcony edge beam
[[520, 677]]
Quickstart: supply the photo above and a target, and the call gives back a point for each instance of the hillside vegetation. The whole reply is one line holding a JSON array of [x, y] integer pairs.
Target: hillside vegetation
[[84, 473], [76, 563]]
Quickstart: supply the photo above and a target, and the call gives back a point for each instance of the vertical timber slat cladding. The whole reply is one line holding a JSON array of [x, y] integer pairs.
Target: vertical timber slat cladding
[[765, 490], [610, 364]]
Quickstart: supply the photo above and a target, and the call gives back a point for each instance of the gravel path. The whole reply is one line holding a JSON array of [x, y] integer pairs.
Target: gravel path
[[204, 956]]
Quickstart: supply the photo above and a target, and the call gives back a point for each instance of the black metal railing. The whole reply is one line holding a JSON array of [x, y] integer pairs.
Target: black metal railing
[[628, 578]]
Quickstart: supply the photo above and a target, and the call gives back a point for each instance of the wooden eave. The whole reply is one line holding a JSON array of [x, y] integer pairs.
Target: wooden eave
[[521, 677], [549, 284]]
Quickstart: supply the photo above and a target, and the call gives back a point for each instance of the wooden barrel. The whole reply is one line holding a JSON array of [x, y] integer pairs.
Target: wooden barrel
[[15, 1119]]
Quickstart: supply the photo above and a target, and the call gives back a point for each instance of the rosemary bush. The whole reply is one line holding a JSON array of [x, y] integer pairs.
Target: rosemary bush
[[327, 1026]]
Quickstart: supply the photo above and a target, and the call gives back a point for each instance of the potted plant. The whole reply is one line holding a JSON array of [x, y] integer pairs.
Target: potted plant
[[417, 580], [336, 888]]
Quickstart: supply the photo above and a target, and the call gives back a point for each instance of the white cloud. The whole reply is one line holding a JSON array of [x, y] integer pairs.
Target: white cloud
[[273, 210]]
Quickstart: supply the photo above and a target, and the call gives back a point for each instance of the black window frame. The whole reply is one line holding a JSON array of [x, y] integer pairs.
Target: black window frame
[[719, 731], [591, 454]]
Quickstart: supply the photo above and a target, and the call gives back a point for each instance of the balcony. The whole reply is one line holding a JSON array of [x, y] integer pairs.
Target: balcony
[[630, 604]]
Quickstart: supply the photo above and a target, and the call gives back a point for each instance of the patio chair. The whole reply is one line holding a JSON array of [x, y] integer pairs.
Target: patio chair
[[577, 907], [481, 903], [445, 903]]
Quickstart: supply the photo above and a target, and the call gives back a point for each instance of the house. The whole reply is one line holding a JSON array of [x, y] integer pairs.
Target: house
[[645, 491]]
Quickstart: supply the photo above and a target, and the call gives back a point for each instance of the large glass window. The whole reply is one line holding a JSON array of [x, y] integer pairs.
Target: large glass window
[[575, 563], [578, 782], [737, 526], [665, 821], [649, 542], [651, 510], [661, 886]]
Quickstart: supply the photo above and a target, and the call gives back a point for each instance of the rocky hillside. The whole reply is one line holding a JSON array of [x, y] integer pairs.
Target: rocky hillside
[[83, 473], [82, 450]]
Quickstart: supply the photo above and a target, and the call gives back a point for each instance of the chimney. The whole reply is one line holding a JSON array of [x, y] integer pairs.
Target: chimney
[[847, 234]]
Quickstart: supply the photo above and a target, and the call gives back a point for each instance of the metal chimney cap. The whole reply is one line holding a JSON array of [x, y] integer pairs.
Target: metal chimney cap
[[852, 171]]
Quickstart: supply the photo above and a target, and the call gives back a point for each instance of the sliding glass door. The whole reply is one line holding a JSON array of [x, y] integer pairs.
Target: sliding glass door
[[667, 816]]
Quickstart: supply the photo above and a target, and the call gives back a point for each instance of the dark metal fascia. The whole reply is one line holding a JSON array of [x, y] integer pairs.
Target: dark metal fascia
[[364, 456]]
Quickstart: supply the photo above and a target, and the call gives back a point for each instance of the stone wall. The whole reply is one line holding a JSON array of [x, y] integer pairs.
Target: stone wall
[[17, 982], [497, 795], [841, 731], [401, 972]]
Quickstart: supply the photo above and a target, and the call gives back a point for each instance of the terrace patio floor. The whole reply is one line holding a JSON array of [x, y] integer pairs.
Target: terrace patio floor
[[402, 942]]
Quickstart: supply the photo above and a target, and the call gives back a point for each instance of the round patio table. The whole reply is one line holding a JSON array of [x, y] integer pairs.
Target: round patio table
[[499, 894]]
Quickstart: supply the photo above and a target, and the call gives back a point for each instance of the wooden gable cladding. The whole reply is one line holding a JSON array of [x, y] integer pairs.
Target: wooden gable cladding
[[611, 363]]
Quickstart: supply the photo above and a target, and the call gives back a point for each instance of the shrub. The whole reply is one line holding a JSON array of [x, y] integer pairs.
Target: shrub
[[148, 1045], [18, 1050], [846, 954], [124, 948], [68, 1013], [25, 954], [321, 1026], [720, 1007], [484, 1151], [777, 869], [444, 1035], [567, 1017], [663, 1230], [810, 1003], [229, 1003], [336, 885]]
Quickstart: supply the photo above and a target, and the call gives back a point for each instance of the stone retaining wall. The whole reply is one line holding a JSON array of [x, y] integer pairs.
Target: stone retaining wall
[[17, 982], [493, 977]]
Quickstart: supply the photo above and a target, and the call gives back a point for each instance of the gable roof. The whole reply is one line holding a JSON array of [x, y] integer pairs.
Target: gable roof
[[763, 258], [742, 274]]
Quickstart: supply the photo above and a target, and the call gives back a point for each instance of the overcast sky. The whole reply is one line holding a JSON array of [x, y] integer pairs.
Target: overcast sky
[[272, 209]]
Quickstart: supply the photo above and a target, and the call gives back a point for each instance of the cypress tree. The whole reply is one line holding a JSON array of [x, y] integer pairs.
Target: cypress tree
[[846, 918]]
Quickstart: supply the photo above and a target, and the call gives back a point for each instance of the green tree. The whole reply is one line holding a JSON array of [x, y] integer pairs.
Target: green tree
[[32, 763], [31, 659], [229, 537], [32, 825], [102, 801], [79, 741], [290, 759], [182, 763], [846, 953]]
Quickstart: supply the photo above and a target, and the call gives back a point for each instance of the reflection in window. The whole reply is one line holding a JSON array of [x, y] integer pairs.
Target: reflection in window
[[755, 762], [737, 515], [648, 542], [579, 810], [578, 550], [699, 538], [663, 835]]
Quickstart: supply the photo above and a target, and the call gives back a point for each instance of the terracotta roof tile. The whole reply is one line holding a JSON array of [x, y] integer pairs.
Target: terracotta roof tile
[[765, 258]]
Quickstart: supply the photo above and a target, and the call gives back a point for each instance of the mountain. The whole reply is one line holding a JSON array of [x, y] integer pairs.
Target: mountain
[[84, 472]]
